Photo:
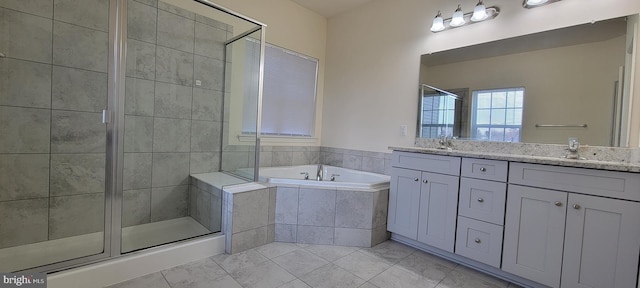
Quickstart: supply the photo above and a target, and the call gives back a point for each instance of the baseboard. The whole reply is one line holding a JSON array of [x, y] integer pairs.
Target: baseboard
[[128, 267]]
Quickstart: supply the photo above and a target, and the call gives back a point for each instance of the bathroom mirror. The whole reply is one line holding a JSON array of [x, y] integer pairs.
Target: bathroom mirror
[[538, 88]]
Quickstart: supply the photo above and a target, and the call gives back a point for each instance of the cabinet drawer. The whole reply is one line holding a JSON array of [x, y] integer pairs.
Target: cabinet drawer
[[426, 162], [482, 200], [484, 169], [613, 184], [480, 241]]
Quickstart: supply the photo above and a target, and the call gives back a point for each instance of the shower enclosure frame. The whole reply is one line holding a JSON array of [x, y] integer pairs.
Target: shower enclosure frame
[[113, 117]]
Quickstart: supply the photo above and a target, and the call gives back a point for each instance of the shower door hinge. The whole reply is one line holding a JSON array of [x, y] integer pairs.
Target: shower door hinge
[[106, 116]]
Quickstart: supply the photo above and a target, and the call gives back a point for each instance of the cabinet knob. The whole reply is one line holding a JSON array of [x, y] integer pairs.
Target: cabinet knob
[[478, 240], [576, 206], [480, 200], [416, 179], [483, 169], [425, 181], [558, 203]]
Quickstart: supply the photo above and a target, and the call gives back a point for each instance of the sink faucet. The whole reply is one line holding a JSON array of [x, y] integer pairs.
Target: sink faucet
[[445, 143], [319, 174], [573, 148], [574, 145]]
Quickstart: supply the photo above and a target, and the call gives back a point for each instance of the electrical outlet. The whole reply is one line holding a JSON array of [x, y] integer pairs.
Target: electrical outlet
[[403, 130], [198, 83]]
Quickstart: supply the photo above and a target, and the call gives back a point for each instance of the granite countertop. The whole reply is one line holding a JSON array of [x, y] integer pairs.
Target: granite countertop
[[558, 161]]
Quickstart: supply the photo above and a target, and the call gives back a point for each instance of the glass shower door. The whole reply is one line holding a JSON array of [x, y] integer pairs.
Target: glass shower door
[[53, 88], [173, 120]]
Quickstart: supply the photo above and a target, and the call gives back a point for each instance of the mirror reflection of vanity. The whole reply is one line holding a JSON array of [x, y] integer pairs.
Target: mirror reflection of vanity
[[538, 88]]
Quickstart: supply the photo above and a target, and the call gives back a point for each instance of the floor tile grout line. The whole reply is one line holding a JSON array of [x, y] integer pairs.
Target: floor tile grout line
[[165, 278]]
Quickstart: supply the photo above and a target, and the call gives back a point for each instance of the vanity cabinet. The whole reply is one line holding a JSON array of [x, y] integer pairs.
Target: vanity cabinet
[[438, 210], [602, 241], [569, 239], [533, 224], [481, 210], [404, 202], [534, 234], [423, 198]]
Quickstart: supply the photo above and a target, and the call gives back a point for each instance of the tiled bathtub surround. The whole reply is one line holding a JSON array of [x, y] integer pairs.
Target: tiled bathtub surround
[[330, 216], [173, 112], [53, 86], [255, 215], [248, 216], [375, 162]]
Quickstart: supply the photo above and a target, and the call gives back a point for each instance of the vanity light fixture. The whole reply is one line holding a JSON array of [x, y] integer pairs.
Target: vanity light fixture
[[438, 23], [480, 13], [458, 18], [536, 3]]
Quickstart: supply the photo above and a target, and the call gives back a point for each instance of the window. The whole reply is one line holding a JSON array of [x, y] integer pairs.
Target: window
[[437, 115], [497, 114], [289, 94]]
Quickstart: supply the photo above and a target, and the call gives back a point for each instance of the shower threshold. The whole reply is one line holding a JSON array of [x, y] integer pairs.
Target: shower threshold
[[133, 238]]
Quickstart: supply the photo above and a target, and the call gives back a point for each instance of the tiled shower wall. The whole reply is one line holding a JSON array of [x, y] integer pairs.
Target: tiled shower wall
[[53, 85], [173, 113]]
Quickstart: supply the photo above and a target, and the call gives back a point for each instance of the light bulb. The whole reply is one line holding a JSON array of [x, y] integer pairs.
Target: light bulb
[[479, 13], [438, 23], [536, 2], [458, 18]]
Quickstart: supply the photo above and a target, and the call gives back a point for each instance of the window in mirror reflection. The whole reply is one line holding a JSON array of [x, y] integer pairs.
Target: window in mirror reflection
[[497, 114], [438, 115]]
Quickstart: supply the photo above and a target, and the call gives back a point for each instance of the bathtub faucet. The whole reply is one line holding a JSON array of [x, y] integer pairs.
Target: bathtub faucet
[[319, 174]]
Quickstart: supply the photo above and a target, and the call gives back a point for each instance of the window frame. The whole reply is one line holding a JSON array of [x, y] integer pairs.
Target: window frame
[[474, 114]]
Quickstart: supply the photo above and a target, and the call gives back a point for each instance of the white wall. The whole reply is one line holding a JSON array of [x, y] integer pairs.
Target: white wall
[[373, 56]]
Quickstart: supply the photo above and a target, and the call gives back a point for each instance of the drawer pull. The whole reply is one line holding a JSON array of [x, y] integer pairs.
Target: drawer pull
[[480, 200], [416, 179], [576, 206], [425, 181], [478, 240], [482, 169], [558, 203]]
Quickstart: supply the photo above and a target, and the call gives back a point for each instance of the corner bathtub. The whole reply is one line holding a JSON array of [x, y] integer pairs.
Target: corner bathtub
[[349, 211], [344, 178]]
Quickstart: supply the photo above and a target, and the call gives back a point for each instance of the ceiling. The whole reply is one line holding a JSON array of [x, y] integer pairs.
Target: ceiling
[[330, 8]]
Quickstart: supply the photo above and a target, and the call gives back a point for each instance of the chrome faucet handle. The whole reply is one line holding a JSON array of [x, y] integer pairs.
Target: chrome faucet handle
[[333, 177], [306, 175], [574, 145], [443, 140], [319, 175]]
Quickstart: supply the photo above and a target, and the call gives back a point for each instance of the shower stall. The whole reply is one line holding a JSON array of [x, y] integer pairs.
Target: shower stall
[[106, 109]]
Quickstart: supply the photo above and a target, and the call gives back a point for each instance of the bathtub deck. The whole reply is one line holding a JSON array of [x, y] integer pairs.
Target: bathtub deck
[[218, 179]]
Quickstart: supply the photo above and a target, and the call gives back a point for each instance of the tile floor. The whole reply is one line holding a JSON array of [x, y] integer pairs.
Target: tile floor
[[389, 264]]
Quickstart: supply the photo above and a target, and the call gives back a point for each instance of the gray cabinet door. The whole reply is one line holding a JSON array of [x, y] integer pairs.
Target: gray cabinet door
[[602, 243], [404, 202], [534, 234], [438, 210]]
